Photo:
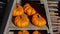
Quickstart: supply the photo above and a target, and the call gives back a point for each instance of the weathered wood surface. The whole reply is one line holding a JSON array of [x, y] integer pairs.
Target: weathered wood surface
[[54, 19]]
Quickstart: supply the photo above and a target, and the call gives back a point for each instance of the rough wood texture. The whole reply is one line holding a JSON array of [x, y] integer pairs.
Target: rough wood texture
[[54, 18]]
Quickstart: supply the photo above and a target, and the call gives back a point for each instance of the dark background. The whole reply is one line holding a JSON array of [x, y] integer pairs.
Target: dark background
[[5, 8], [3, 4]]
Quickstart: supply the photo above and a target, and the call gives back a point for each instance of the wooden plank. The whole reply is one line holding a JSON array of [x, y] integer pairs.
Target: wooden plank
[[55, 33], [52, 4], [56, 23], [53, 0], [53, 14], [50, 1], [53, 9], [54, 19], [55, 28]]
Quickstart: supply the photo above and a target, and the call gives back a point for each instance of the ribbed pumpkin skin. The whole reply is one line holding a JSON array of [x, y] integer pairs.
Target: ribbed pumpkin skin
[[38, 20], [29, 10], [20, 32], [18, 10], [21, 21], [23, 32], [36, 32]]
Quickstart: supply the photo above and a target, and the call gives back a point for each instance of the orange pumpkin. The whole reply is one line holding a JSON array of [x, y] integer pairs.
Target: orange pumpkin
[[38, 20], [21, 21], [18, 10], [20, 32], [36, 32], [25, 32], [29, 10]]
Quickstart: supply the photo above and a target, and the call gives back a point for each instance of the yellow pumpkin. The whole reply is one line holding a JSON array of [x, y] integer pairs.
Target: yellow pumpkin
[[20, 32], [36, 32], [29, 10], [38, 20], [18, 10], [21, 21]]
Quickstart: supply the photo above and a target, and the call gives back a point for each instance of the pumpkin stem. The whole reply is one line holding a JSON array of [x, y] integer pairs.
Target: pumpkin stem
[[39, 16], [17, 6]]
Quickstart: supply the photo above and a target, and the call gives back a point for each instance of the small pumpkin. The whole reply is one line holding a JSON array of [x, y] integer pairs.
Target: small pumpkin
[[36, 32], [20, 32], [38, 20], [29, 10], [21, 21], [25, 32], [18, 10]]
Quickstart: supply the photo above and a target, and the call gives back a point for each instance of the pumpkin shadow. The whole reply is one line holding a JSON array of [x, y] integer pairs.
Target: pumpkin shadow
[[13, 19]]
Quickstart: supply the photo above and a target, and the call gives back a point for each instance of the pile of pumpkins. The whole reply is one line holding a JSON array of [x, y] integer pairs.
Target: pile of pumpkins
[[22, 20], [26, 32]]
